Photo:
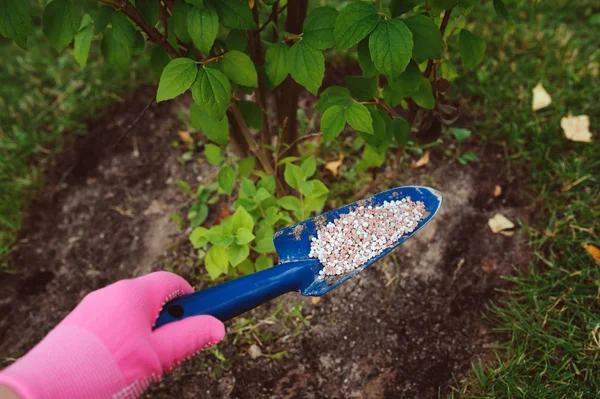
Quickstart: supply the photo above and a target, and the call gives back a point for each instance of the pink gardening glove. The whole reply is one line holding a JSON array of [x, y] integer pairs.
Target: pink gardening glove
[[106, 348]]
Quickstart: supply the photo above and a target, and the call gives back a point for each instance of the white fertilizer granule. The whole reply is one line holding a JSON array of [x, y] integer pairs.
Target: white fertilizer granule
[[352, 239]]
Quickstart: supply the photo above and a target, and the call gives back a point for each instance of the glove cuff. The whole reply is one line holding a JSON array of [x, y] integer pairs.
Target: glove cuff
[[70, 362]]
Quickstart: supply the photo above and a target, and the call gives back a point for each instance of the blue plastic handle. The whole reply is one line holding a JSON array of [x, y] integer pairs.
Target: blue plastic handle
[[228, 300]]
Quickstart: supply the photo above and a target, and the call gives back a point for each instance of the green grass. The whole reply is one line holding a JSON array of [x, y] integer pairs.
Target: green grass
[[550, 314], [44, 98]]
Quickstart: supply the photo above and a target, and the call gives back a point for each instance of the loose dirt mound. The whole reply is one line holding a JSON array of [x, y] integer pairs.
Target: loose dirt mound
[[391, 332]]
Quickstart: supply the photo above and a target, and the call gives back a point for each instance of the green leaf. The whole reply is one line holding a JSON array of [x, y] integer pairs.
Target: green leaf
[[276, 63], [391, 47], [373, 157], [391, 96], [102, 18], [424, 97], [401, 131], [15, 20], [334, 95], [261, 195], [123, 31], [239, 68], [203, 27], [216, 261], [359, 117], [362, 88], [307, 66], [234, 13], [472, 49], [380, 125], [243, 236], [83, 41], [237, 40], [216, 130], [287, 160], [212, 92], [197, 214], [178, 21], [354, 23], [309, 166], [214, 154], [502, 11], [198, 237], [318, 28], [318, 189], [449, 72], [290, 203], [241, 218], [306, 187], [247, 187], [444, 4], [264, 239], [177, 77], [268, 183], [246, 267], [263, 262], [226, 179], [426, 37], [159, 59], [409, 81], [314, 204], [461, 134], [149, 10], [399, 7], [115, 52], [364, 59], [293, 175], [251, 113], [245, 166], [469, 156], [333, 122], [60, 23], [184, 186]]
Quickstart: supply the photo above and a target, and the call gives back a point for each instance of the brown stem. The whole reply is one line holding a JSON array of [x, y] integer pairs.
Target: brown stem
[[391, 113], [273, 17], [292, 38], [237, 118], [257, 56], [216, 58], [153, 34], [299, 139]]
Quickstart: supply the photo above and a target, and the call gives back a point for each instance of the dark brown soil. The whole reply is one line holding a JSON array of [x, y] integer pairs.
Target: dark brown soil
[[394, 331]]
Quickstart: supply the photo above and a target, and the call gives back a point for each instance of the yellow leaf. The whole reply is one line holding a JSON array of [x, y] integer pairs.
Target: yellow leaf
[[123, 212], [315, 300], [334, 166], [424, 160], [251, 3], [541, 98], [185, 136], [592, 250], [497, 190], [499, 223], [576, 128]]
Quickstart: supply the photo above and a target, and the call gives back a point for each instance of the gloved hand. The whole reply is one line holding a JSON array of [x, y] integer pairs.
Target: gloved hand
[[106, 348]]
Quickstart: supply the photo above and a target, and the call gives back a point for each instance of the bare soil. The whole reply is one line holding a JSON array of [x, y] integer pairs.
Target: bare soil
[[394, 331]]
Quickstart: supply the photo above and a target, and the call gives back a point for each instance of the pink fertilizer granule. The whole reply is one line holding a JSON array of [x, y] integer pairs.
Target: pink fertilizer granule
[[356, 237]]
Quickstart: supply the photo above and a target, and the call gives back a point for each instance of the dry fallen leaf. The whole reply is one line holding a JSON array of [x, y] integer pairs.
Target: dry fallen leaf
[[592, 250], [576, 128], [123, 212], [550, 233], [334, 166], [224, 213], [497, 190], [185, 136], [499, 223], [541, 98], [315, 300], [424, 160]]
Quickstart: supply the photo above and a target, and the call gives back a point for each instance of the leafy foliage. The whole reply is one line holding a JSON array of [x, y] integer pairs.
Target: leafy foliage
[[223, 50]]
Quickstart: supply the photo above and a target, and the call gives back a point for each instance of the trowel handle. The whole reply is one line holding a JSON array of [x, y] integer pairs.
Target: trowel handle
[[231, 299]]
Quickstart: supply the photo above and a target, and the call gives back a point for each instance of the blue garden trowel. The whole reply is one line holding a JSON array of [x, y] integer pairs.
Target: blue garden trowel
[[296, 271]]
